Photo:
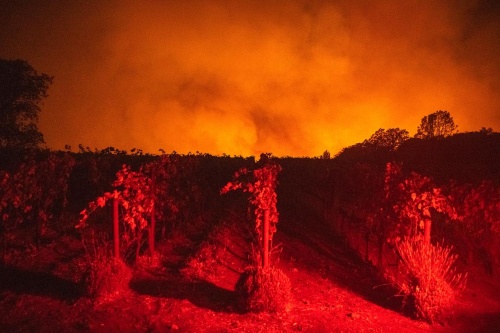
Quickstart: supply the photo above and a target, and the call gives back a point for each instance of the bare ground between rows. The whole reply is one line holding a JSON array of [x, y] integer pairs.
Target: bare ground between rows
[[332, 289]]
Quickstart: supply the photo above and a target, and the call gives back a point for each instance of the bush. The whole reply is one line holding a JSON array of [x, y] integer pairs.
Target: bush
[[148, 261], [105, 277], [263, 289], [427, 279]]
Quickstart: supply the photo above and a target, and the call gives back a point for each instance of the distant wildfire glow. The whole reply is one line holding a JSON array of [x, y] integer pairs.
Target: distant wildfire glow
[[292, 78]]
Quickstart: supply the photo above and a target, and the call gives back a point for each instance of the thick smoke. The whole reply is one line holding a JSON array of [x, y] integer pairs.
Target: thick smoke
[[239, 77]]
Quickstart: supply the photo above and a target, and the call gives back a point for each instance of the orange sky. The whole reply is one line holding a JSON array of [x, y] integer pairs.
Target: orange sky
[[289, 77]]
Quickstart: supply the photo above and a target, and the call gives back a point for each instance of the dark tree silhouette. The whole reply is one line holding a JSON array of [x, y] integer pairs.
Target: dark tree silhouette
[[21, 91], [391, 138], [326, 155], [438, 124], [486, 131]]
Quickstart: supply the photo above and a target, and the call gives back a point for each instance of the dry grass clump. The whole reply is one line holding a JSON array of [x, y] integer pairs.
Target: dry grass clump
[[428, 279], [105, 277], [263, 289], [148, 261]]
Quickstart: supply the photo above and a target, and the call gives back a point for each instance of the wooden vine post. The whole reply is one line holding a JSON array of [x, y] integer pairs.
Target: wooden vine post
[[153, 218], [262, 186], [427, 230], [427, 224], [265, 239], [116, 235], [152, 232]]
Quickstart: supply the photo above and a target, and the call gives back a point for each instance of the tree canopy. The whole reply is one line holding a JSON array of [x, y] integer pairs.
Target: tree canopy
[[437, 124], [21, 92], [391, 138]]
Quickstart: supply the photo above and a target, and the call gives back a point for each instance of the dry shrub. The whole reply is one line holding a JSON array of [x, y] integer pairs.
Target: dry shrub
[[263, 289], [106, 277], [149, 261], [428, 279]]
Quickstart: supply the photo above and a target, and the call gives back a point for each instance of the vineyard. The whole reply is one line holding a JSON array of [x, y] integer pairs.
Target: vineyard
[[371, 238]]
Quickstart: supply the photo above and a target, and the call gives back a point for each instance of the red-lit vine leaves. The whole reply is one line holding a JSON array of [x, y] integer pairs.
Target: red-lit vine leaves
[[34, 190], [261, 184], [138, 193]]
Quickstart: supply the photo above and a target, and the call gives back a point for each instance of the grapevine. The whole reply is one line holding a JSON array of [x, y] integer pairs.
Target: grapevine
[[478, 207], [413, 199], [261, 184], [33, 191], [138, 193]]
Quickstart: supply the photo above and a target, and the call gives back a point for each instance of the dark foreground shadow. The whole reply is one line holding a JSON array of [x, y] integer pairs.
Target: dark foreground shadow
[[477, 322], [349, 269], [200, 293], [38, 283]]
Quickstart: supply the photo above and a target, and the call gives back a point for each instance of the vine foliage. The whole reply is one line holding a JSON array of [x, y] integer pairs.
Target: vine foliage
[[35, 191], [414, 199], [142, 195], [261, 183]]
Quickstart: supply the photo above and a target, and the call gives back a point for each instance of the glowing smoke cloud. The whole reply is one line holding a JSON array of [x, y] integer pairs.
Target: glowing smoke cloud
[[238, 77]]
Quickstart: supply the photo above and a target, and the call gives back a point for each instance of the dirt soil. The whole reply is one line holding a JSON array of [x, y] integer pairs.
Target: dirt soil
[[332, 289]]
